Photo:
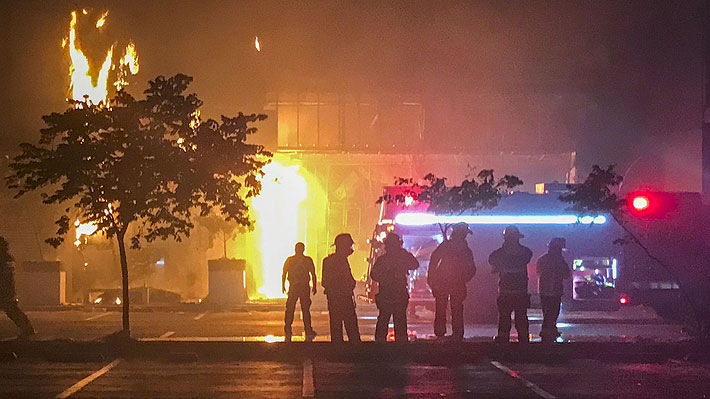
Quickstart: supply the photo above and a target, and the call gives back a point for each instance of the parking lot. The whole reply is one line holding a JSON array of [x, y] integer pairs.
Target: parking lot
[[181, 368], [485, 379]]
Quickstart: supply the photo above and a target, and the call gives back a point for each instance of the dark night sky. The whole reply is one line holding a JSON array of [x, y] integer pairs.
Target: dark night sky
[[636, 65]]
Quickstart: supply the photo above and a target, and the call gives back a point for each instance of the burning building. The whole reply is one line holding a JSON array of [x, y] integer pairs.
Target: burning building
[[345, 148], [352, 105]]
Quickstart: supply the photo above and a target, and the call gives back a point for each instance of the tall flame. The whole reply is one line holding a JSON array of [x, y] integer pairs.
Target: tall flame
[[80, 73], [127, 65], [257, 44], [82, 86], [278, 221], [130, 59]]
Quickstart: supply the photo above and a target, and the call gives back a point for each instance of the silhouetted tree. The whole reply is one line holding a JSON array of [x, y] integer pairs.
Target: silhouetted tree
[[220, 228], [150, 165], [475, 193], [598, 195]]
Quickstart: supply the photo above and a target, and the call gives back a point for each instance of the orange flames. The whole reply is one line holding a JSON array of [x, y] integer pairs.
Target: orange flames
[[101, 20], [80, 74], [82, 88], [83, 230], [127, 65]]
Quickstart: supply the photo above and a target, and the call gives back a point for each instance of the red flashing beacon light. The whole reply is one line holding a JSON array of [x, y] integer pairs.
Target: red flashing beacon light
[[648, 204], [640, 202], [652, 204]]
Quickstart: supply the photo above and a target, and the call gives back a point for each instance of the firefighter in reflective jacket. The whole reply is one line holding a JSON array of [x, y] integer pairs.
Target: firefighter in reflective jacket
[[338, 282], [451, 266], [8, 296], [511, 262], [391, 271]]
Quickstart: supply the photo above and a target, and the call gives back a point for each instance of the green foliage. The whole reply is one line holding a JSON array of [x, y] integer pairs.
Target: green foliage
[[597, 195], [148, 162], [224, 230], [474, 194]]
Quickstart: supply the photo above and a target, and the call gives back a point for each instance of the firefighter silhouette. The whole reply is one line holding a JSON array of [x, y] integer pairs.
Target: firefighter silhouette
[[338, 283], [8, 295], [552, 269], [511, 263], [300, 271], [451, 266], [391, 271]]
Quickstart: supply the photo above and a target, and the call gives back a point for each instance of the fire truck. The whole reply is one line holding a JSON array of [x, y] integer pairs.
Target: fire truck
[[604, 275], [674, 229]]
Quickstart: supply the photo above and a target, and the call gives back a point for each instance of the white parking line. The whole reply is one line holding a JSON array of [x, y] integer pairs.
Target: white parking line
[[199, 316], [86, 381], [168, 334], [98, 316], [539, 391], [308, 385]]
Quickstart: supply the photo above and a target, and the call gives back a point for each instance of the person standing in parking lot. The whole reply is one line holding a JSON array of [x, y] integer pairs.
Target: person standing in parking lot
[[510, 261], [552, 269], [300, 271], [8, 296], [338, 283], [451, 266], [391, 272]]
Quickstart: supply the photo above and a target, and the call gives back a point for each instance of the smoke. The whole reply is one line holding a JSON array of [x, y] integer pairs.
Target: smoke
[[596, 77], [607, 79]]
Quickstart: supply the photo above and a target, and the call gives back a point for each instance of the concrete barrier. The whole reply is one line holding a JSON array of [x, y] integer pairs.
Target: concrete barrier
[[41, 283], [227, 281]]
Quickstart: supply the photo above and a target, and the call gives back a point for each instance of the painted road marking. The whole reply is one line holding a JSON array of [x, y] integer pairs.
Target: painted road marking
[[199, 316], [167, 335], [98, 316], [86, 381], [308, 385], [539, 391]]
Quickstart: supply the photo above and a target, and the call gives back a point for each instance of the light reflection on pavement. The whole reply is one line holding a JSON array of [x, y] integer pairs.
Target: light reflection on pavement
[[267, 325]]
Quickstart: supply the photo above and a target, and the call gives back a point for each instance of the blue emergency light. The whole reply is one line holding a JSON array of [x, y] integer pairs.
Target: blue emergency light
[[425, 219]]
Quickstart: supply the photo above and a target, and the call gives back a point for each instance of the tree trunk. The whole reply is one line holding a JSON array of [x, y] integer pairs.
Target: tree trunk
[[120, 236], [224, 244]]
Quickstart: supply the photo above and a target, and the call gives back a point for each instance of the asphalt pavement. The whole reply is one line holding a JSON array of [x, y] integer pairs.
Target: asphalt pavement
[[579, 379], [201, 352]]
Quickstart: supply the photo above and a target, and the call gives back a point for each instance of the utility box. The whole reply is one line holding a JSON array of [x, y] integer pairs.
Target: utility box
[[41, 283], [227, 281]]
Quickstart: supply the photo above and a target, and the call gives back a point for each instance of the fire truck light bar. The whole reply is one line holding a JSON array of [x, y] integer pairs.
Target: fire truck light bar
[[424, 219]]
